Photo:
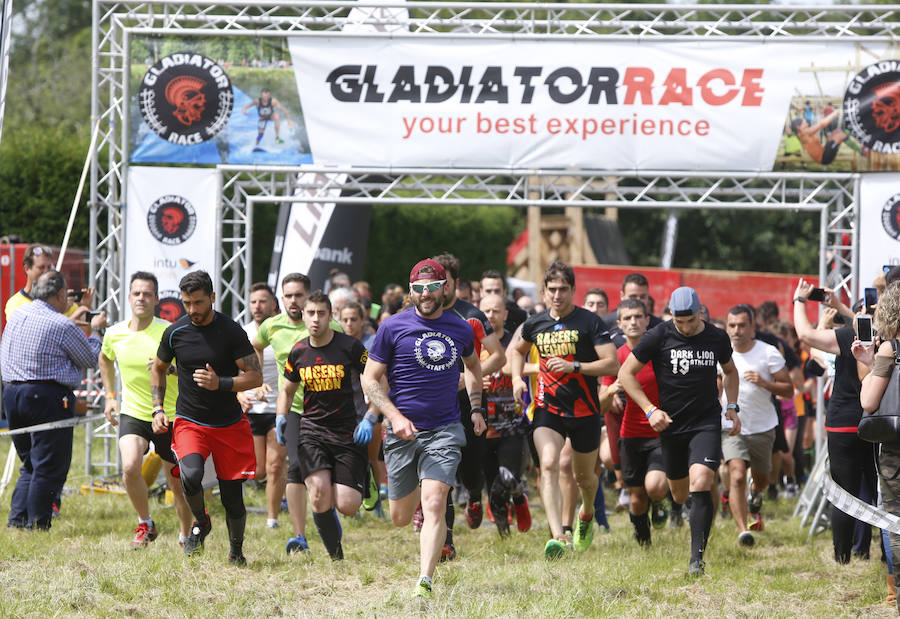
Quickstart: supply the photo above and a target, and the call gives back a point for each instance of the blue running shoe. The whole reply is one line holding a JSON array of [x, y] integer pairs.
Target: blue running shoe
[[297, 544]]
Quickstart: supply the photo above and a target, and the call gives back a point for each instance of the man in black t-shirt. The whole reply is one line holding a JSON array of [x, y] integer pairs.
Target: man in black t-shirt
[[574, 349], [320, 441], [684, 352], [492, 282], [214, 360]]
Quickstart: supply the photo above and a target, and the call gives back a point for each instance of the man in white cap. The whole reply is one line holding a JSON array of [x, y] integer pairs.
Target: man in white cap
[[684, 352]]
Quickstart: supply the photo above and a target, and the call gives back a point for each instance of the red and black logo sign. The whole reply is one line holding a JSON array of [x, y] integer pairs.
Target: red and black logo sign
[[890, 216], [170, 307], [872, 107], [172, 220], [186, 98]]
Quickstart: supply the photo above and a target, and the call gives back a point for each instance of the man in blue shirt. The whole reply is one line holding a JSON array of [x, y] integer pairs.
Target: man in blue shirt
[[43, 356], [418, 352]]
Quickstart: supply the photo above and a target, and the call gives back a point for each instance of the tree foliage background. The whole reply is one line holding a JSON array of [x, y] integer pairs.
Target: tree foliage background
[[47, 130]]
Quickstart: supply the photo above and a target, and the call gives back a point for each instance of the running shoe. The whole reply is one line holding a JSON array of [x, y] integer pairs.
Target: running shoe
[[643, 542], [297, 544], [754, 505], [791, 490], [371, 499], [194, 543], [284, 505], [237, 559], [474, 514], [658, 514], [423, 589], [143, 535], [382, 490], [696, 568], [584, 534], [488, 512], [418, 519], [726, 509], [623, 502], [448, 553], [746, 539], [501, 511], [756, 522], [555, 548], [523, 513], [339, 553], [772, 491], [271, 523], [279, 141]]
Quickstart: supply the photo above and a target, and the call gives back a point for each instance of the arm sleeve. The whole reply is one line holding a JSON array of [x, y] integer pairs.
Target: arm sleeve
[[774, 360], [382, 348], [262, 334], [240, 343], [165, 351], [107, 347]]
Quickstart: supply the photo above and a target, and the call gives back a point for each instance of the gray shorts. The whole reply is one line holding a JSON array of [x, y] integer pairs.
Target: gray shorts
[[433, 454], [753, 448]]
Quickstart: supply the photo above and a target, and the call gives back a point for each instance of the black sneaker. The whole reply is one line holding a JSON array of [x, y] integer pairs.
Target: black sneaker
[[658, 514], [643, 542], [194, 543], [237, 559], [746, 539], [696, 568], [339, 554], [676, 518]]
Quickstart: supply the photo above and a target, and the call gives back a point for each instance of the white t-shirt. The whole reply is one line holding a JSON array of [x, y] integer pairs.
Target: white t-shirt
[[757, 411], [269, 374]]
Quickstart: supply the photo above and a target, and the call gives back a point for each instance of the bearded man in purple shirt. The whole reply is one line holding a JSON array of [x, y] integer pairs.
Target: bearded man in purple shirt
[[412, 377]]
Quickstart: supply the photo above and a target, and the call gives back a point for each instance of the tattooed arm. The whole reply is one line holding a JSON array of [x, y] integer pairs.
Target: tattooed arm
[[374, 384], [251, 373]]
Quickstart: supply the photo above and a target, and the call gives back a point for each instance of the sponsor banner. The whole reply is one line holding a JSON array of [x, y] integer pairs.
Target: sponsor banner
[[599, 105], [879, 224], [211, 101], [170, 228]]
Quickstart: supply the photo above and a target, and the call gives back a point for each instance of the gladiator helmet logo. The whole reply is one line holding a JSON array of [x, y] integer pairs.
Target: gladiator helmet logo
[[171, 219], [186, 94], [186, 98], [890, 216], [886, 107], [170, 307], [871, 109], [435, 350]]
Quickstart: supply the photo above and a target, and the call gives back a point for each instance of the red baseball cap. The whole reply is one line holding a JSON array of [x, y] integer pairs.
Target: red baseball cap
[[438, 271]]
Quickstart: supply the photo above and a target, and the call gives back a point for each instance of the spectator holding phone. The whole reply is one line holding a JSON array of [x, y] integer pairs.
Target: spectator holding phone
[[38, 259], [852, 459]]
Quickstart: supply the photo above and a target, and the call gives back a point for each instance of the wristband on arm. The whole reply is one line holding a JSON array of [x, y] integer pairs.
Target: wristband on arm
[[650, 411], [226, 383]]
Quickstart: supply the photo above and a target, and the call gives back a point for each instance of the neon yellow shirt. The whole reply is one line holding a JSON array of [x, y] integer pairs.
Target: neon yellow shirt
[[131, 350], [281, 334], [20, 298]]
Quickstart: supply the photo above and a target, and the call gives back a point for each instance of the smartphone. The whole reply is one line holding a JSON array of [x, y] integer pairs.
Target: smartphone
[[871, 298], [818, 294], [90, 316], [864, 329]]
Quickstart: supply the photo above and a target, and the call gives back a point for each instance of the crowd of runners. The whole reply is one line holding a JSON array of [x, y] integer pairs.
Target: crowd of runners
[[442, 393]]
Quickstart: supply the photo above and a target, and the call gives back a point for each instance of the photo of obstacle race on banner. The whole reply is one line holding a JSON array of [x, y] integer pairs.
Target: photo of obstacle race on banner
[[211, 101]]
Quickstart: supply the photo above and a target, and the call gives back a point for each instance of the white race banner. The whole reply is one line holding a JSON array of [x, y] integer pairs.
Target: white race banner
[[546, 104], [170, 227], [306, 224], [879, 235]]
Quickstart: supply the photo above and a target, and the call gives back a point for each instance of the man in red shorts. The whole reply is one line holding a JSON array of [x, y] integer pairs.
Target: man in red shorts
[[214, 360]]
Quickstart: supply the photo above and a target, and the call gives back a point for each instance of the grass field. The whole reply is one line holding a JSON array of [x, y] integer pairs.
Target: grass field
[[84, 567]]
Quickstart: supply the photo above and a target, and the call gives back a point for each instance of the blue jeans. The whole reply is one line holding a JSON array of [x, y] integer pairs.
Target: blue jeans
[[46, 456]]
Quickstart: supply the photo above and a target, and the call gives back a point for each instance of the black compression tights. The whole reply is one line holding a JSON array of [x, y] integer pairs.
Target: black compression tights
[[191, 467]]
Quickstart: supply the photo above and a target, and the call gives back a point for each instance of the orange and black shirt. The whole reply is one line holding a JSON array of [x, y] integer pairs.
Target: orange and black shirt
[[573, 338]]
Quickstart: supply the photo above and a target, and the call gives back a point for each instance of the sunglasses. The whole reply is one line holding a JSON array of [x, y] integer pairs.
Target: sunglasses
[[430, 286]]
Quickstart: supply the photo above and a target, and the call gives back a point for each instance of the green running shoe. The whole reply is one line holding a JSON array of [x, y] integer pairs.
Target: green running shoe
[[423, 589], [370, 501], [584, 534], [555, 549]]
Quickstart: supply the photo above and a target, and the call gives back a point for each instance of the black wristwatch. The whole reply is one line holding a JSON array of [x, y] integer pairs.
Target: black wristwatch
[[734, 407], [480, 410]]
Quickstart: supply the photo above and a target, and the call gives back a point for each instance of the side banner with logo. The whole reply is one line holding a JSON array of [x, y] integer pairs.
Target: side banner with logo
[[170, 227], [316, 237], [879, 235], [599, 105]]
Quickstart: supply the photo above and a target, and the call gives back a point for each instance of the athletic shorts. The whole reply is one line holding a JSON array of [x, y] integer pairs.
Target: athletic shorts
[[162, 443], [584, 432], [680, 451], [433, 454], [753, 448], [640, 455], [347, 463], [789, 417], [231, 447], [261, 423]]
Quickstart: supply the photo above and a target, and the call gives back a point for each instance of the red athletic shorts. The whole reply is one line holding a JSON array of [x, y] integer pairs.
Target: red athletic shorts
[[231, 447]]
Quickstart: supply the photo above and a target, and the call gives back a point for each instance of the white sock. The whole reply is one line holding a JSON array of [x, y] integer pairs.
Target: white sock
[[426, 579], [271, 522], [148, 521]]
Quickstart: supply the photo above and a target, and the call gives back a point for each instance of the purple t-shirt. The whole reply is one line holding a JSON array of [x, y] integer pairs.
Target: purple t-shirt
[[422, 356]]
